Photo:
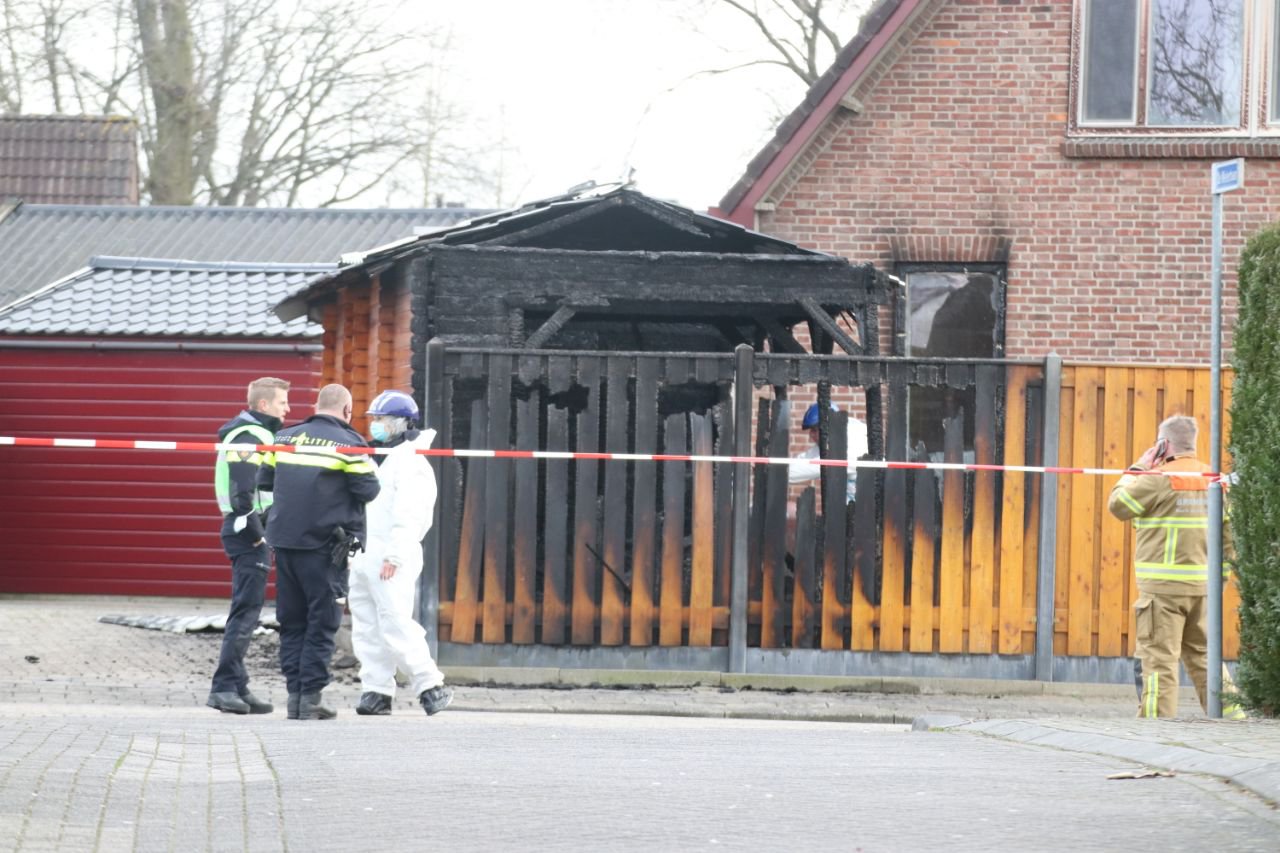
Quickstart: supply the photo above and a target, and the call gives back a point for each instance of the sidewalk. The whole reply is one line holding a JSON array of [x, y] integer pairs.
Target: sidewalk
[[55, 654]]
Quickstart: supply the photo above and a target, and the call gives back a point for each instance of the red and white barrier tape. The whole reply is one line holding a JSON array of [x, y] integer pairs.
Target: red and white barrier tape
[[126, 444]]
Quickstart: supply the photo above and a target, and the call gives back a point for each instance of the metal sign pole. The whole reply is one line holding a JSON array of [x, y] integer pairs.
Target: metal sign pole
[[1224, 177], [1214, 686]]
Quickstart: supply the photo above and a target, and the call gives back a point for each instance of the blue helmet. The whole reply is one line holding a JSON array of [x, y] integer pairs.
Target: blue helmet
[[811, 415], [395, 404]]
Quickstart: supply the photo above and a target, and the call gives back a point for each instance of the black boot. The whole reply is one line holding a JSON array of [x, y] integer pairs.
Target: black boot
[[311, 707], [292, 706], [228, 702], [256, 705], [374, 705]]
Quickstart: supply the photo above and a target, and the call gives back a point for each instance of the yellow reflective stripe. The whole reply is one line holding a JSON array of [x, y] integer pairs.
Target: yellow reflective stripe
[[1127, 500], [1170, 546], [1169, 572], [1151, 709], [329, 462], [312, 460], [269, 458], [1184, 523]]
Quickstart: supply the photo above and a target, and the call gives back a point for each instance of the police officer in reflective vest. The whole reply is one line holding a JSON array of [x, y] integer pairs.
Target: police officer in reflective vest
[[317, 521], [244, 539], [1170, 519]]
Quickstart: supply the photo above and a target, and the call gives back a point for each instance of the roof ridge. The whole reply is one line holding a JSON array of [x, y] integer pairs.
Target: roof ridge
[[99, 119], [117, 262], [227, 210]]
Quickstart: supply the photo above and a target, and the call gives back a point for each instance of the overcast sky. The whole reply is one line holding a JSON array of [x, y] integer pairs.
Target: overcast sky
[[588, 89]]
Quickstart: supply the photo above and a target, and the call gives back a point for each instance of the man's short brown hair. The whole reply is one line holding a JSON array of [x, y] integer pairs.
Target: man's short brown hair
[[265, 389]]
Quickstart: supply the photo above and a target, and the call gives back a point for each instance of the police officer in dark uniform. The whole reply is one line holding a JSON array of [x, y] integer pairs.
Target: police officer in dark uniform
[[316, 522], [243, 538]]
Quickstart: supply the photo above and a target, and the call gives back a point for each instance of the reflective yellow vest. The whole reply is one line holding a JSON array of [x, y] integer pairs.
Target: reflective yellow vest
[[222, 474]]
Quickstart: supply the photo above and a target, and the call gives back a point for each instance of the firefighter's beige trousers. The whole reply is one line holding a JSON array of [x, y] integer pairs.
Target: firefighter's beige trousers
[[1172, 627]]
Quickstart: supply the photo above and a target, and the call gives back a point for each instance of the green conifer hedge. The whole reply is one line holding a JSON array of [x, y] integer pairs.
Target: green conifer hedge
[[1255, 447]]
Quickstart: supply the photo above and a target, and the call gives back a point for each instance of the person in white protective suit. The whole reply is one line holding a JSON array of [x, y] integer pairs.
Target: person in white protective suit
[[384, 577]]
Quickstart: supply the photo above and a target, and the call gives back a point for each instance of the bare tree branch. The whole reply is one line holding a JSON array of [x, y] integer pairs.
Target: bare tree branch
[[250, 101], [799, 35]]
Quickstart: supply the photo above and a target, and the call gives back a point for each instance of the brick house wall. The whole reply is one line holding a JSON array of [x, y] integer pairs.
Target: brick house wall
[[960, 152]]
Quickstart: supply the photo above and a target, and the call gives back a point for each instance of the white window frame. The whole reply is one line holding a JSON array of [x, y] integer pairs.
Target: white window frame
[[1260, 102], [1270, 74]]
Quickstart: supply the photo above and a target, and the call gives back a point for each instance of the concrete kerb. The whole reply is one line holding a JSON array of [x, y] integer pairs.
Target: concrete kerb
[[553, 677], [1261, 776]]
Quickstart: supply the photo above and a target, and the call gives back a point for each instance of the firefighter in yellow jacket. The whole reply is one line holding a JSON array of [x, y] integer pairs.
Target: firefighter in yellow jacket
[[1170, 519]]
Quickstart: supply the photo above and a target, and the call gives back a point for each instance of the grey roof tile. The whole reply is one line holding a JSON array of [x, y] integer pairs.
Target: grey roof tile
[[141, 297], [69, 159], [41, 243]]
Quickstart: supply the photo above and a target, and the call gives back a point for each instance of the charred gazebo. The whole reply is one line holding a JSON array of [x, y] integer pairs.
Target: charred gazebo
[[611, 321], [601, 270]]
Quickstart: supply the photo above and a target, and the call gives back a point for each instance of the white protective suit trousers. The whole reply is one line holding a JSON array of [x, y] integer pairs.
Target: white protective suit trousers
[[384, 634]]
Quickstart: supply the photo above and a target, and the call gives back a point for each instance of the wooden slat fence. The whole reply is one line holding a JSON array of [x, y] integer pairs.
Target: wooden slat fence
[[931, 563], [1108, 417], [585, 552], [621, 553], [615, 553]]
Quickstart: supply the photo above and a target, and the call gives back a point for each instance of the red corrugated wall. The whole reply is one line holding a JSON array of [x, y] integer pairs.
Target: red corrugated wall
[[123, 522]]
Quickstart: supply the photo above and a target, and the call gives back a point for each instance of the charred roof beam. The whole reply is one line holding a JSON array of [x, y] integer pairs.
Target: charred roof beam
[[781, 336], [548, 329], [829, 325]]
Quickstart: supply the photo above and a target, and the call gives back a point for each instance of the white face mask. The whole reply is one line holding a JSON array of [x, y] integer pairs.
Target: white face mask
[[378, 430]]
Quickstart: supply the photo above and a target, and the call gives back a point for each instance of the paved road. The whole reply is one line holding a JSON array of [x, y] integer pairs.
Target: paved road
[[105, 745], [121, 779]]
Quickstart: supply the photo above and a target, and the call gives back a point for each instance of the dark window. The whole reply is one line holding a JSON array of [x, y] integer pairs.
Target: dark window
[[949, 312]]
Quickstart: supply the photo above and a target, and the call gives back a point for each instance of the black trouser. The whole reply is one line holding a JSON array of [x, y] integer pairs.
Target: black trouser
[[309, 615], [248, 590]]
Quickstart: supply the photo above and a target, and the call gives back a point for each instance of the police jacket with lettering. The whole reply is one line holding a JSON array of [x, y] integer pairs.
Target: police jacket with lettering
[[1170, 519], [317, 490], [235, 479]]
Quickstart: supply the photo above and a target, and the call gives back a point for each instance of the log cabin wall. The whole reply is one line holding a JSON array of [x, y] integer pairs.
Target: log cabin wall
[[482, 296], [368, 340]]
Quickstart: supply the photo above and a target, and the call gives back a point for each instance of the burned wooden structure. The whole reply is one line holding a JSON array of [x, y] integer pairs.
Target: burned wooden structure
[[603, 270], [640, 557], [614, 323]]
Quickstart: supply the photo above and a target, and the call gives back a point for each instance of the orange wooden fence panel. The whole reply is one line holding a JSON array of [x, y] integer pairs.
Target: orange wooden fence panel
[[1110, 414]]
